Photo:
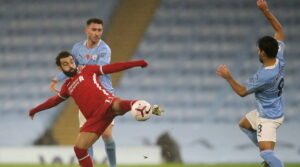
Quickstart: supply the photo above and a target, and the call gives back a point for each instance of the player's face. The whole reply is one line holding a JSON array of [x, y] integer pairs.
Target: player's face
[[94, 32], [260, 55], [68, 66]]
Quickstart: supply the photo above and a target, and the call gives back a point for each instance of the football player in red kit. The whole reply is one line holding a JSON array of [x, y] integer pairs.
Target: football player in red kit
[[98, 106]]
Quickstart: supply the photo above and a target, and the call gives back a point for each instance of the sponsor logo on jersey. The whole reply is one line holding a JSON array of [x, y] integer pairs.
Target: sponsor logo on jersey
[[102, 54], [75, 83]]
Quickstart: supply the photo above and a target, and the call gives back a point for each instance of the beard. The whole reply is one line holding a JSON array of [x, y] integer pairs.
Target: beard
[[71, 72]]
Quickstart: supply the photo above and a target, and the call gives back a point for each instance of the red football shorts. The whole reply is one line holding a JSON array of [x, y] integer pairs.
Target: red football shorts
[[102, 118]]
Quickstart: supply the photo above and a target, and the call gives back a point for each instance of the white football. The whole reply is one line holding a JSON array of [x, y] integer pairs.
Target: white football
[[141, 110]]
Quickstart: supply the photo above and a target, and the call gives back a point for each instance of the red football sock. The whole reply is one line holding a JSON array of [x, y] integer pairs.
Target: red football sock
[[125, 105], [83, 157]]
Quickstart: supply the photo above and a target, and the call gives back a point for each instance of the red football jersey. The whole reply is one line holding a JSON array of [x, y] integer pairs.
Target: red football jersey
[[90, 96], [86, 90]]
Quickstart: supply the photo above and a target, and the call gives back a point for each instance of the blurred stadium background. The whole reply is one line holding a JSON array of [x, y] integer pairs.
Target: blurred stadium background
[[183, 40]]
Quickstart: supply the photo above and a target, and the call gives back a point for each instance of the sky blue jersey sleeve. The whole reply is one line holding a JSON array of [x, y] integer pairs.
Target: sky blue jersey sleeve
[[255, 83], [60, 76]]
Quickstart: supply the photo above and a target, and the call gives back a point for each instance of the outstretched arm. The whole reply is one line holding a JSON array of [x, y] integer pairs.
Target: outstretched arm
[[51, 102], [239, 89], [263, 6], [121, 66]]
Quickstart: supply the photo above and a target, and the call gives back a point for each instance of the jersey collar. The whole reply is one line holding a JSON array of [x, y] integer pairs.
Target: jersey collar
[[86, 42], [273, 66]]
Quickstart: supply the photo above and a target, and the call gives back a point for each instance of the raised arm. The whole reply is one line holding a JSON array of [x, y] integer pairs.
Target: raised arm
[[263, 6], [121, 66], [51, 102]]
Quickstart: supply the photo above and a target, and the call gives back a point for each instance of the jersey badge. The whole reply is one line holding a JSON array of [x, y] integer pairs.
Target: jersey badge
[[94, 57], [87, 56], [102, 54]]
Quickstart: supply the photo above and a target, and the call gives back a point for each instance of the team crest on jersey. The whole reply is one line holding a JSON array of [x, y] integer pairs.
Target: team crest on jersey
[[87, 56], [94, 57], [102, 54]]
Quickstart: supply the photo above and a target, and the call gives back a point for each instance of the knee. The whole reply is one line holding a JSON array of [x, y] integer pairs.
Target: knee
[[244, 123], [266, 145], [81, 146], [107, 134], [85, 140], [241, 124], [116, 106]]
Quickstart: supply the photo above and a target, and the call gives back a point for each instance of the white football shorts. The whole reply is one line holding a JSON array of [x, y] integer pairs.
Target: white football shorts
[[265, 128]]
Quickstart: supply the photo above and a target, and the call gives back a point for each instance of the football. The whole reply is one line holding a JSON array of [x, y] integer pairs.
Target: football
[[141, 110]]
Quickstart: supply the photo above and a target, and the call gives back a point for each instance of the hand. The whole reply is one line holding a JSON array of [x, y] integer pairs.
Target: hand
[[144, 64], [223, 71], [262, 5], [31, 114], [53, 85]]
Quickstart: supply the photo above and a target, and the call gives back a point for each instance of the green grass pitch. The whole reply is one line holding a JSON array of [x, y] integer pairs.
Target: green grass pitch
[[163, 165]]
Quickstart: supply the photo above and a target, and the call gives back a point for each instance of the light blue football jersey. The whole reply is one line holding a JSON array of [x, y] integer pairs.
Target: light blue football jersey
[[100, 55], [267, 85]]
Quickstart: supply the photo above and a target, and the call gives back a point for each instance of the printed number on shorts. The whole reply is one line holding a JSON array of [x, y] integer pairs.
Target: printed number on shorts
[[259, 128]]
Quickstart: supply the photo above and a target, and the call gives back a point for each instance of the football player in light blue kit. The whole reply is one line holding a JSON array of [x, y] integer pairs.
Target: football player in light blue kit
[[260, 125], [93, 51]]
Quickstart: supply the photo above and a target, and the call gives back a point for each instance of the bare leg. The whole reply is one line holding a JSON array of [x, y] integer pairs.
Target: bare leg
[[85, 140], [266, 145], [246, 127], [244, 123]]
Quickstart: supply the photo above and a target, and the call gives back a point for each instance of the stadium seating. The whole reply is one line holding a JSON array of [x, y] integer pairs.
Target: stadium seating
[[184, 43], [187, 40]]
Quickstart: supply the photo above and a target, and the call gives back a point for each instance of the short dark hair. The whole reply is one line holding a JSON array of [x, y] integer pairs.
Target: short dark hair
[[94, 20], [62, 54], [269, 45]]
